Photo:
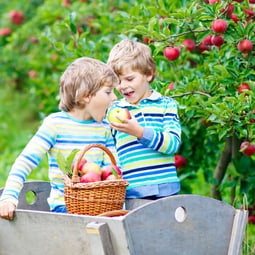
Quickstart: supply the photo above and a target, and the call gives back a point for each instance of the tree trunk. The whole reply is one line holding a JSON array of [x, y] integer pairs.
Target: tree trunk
[[221, 168], [230, 151]]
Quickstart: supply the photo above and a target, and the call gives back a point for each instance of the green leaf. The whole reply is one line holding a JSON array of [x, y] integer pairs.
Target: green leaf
[[61, 161], [70, 158]]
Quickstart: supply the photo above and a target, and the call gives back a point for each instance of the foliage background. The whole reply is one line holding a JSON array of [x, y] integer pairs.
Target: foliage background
[[213, 114]]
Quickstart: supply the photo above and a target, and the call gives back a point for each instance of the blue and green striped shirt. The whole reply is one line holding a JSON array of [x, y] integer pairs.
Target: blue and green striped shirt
[[150, 161], [58, 133]]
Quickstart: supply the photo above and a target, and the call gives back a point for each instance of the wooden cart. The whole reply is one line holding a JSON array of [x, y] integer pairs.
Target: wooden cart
[[177, 225]]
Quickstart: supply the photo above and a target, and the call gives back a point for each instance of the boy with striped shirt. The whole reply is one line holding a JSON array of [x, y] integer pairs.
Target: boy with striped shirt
[[86, 91], [147, 142]]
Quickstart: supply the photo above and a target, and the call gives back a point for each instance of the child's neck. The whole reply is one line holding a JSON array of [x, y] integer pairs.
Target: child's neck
[[79, 114]]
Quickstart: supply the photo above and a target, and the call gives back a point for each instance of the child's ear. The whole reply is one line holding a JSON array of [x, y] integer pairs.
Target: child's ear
[[87, 98], [149, 77]]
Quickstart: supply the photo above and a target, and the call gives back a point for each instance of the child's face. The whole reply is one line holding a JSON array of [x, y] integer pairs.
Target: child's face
[[134, 86], [98, 104]]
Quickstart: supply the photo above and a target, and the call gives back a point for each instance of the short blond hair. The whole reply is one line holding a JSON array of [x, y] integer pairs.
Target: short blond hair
[[133, 54], [84, 76]]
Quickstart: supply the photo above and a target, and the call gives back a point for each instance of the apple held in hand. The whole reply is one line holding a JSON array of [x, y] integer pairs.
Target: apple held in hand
[[90, 177], [115, 112], [91, 167]]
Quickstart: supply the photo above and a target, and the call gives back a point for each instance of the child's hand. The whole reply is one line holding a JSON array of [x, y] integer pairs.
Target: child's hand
[[7, 210], [128, 126]]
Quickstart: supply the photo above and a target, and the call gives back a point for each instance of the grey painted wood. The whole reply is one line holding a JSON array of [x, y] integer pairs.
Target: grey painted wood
[[40, 233], [207, 229], [41, 190], [98, 233], [182, 224]]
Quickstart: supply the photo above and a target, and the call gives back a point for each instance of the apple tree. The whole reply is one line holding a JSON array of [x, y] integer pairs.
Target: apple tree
[[204, 52]]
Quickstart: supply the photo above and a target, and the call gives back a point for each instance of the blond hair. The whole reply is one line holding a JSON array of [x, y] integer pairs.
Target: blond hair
[[133, 54], [84, 77]]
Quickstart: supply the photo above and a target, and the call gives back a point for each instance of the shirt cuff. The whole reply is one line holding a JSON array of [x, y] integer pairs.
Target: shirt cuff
[[147, 136]]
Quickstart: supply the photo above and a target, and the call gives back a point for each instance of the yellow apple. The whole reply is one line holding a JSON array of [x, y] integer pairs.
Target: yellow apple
[[91, 166], [115, 112]]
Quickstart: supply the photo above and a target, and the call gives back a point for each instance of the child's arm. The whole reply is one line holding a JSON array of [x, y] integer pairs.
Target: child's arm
[[29, 159], [166, 138], [129, 126]]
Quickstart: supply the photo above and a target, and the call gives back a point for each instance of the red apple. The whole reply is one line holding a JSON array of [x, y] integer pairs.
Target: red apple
[[114, 113], [234, 18], [90, 177], [217, 40], [16, 17], [189, 44], [245, 45], [106, 171], [172, 53], [66, 2], [32, 74], [203, 47], [207, 40], [243, 87], [250, 12], [252, 1], [83, 161], [111, 177], [91, 167], [5, 31], [33, 39], [111, 170], [170, 86], [230, 9], [247, 148], [219, 25], [179, 160], [212, 2], [252, 117], [147, 40], [251, 219]]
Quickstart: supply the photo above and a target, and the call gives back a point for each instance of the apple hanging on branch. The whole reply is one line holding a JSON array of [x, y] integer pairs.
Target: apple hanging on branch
[[247, 148], [180, 161], [172, 53]]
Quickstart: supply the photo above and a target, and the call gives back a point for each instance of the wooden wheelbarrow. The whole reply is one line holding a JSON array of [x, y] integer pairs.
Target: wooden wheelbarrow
[[177, 225]]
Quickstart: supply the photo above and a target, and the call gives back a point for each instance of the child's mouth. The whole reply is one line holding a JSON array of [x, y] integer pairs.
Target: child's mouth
[[128, 94]]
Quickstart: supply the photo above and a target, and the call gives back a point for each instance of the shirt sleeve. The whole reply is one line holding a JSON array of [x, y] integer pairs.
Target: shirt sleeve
[[28, 160], [167, 139]]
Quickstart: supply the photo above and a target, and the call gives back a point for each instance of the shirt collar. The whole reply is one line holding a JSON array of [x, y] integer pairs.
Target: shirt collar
[[153, 97]]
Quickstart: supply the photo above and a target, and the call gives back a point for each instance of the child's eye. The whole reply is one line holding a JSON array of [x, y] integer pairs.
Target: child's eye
[[108, 92]]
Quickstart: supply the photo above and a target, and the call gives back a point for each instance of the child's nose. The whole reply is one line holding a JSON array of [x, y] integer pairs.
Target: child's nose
[[121, 85], [114, 97]]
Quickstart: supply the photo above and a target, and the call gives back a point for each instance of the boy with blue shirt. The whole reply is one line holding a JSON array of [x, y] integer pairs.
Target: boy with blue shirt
[[147, 142]]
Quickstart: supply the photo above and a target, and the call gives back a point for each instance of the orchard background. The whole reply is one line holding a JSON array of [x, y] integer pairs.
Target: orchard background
[[206, 66]]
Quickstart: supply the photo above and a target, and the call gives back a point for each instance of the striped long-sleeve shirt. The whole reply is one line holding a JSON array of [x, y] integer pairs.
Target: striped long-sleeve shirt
[[58, 133], [150, 161]]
